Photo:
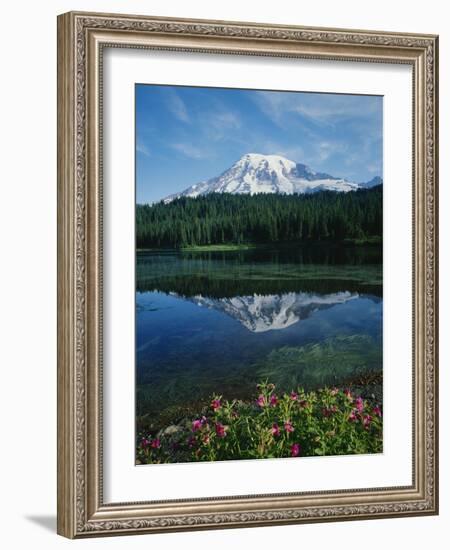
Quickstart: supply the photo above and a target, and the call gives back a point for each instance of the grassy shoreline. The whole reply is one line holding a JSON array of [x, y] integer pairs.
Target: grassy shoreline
[[232, 247], [218, 247], [329, 421]]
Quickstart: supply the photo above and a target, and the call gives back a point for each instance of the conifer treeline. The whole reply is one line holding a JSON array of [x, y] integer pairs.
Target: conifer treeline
[[265, 218]]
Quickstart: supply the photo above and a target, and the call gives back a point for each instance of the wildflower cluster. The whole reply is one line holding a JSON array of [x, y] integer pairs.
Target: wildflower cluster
[[323, 422]]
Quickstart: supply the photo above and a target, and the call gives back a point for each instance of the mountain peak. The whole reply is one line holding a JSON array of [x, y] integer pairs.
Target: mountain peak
[[374, 181], [257, 158], [257, 173]]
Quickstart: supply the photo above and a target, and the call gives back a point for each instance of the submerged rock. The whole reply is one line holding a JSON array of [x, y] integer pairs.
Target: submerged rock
[[171, 430]]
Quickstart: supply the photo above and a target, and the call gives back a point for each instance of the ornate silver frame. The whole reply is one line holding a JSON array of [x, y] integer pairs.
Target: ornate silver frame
[[81, 39]]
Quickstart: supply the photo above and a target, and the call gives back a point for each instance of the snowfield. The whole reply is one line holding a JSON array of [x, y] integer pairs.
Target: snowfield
[[255, 173]]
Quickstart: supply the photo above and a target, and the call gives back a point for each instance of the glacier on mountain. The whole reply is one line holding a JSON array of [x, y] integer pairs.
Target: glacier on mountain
[[256, 173]]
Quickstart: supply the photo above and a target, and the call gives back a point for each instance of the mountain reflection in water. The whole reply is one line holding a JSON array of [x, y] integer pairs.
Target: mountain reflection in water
[[221, 322], [273, 312]]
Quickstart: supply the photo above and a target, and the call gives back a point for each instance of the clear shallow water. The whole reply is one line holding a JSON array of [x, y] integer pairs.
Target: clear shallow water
[[221, 322]]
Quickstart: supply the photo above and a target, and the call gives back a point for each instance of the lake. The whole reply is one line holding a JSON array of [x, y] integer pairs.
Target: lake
[[220, 322]]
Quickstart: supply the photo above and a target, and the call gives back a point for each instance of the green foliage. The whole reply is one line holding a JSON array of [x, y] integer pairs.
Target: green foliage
[[345, 360], [265, 218], [324, 422]]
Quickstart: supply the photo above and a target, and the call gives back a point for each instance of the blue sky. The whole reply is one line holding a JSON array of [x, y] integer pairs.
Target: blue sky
[[185, 135]]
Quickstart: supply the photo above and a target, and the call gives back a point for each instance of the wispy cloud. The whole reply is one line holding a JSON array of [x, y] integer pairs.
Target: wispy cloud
[[218, 123], [265, 146], [143, 149], [321, 109], [215, 122], [272, 105], [335, 107], [177, 106], [190, 151], [295, 153], [325, 149], [225, 120]]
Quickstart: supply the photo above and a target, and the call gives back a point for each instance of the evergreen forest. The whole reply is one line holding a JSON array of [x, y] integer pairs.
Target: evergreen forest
[[220, 219]]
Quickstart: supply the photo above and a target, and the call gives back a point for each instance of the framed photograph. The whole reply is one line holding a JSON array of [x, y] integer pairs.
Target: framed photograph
[[247, 274]]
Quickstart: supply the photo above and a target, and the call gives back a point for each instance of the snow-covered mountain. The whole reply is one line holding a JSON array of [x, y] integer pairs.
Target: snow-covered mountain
[[273, 312], [255, 173]]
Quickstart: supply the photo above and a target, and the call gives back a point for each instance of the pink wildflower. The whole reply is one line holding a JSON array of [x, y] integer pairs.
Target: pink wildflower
[[215, 404], [156, 444], [261, 401], [353, 416], [196, 425], [206, 439], [273, 400], [288, 426], [359, 404], [348, 394], [145, 443], [295, 449], [221, 430], [377, 410], [275, 430], [367, 419], [294, 396]]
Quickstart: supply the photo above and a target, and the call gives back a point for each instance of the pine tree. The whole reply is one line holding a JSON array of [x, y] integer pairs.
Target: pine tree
[[271, 218]]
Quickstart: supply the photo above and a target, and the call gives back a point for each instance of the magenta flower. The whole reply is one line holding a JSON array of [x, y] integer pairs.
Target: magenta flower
[[377, 410], [353, 416], [367, 419], [206, 439], [288, 426], [275, 430], [221, 430], [216, 404], [145, 443], [197, 424], [359, 403], [294, 395], [273, 400], [295, 449], [348, 394], [261, 401], [156, 444]]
